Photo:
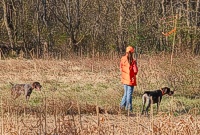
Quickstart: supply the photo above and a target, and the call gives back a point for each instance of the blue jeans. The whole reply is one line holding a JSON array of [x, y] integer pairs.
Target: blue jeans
[[127, 97]]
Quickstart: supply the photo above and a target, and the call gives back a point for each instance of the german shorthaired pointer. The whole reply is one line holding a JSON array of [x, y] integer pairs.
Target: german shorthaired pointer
[[156, 96], [25, 89]]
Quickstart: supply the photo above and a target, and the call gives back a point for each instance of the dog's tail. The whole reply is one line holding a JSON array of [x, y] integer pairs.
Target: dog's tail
[[11, 84]]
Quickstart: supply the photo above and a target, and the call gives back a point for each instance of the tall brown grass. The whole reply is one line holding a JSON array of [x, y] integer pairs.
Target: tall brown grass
[[81, 96]]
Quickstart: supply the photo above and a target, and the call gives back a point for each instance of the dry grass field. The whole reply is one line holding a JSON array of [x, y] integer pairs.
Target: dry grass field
[[82, 96]]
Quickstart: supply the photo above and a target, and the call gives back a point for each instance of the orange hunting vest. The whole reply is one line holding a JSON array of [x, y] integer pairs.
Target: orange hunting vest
[[128, 72]]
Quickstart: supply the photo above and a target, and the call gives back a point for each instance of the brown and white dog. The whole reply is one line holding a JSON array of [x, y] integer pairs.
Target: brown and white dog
[[156, 97], [25, 89]]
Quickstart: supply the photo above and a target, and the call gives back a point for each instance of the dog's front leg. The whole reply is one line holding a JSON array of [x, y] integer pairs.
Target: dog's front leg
[[158, 104], [27, 98]]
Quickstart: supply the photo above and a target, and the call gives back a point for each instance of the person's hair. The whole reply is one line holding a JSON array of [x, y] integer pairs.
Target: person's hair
[[130, 58]]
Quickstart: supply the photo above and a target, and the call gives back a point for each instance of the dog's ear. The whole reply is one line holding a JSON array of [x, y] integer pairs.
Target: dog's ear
[[166, 90], [37, 85]]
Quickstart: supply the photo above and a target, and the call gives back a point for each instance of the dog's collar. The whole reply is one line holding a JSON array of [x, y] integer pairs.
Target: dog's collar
[[162, 91]]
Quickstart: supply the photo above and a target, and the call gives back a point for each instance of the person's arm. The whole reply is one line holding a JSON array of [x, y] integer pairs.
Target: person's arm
[[135, 68]]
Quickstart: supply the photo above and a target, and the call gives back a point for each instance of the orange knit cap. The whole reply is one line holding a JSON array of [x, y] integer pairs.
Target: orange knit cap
[[129, 49]]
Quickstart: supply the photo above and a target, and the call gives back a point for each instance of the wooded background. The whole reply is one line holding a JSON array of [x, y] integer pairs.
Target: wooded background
[[59, 28]]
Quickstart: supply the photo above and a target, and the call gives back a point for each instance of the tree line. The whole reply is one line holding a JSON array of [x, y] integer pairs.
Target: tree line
[[52, 28]]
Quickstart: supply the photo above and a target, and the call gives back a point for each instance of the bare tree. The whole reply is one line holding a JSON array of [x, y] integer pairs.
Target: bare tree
[[7, 8], [99, 26]]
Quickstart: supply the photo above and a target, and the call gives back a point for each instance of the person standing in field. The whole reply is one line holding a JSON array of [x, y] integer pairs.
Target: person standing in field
[[129, 70]]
